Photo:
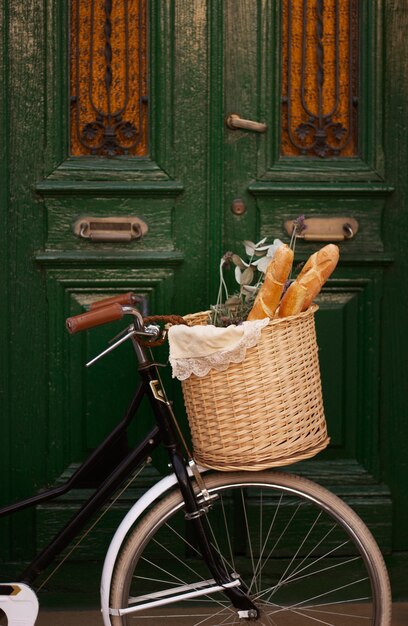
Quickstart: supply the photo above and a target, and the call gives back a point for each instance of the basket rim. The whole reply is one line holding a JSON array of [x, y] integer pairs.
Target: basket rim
[[273, 321]]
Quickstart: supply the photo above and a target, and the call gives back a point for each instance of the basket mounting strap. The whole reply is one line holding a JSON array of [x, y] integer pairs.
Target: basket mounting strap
[[167, 320]]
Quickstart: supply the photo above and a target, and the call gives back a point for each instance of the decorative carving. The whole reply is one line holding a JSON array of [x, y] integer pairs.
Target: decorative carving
[[319, 78], [108, 55]]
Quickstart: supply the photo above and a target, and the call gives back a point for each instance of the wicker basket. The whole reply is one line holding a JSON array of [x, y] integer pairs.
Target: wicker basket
[[266, 411]]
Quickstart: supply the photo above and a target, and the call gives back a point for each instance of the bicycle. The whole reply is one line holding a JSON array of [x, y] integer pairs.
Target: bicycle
[[211, 548]]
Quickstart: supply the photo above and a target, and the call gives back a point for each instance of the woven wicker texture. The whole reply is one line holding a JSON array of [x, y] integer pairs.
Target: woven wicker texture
[[266, 411]]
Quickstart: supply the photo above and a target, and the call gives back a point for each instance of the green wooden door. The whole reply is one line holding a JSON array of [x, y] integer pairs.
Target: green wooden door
[[206, 59], [278, 181]]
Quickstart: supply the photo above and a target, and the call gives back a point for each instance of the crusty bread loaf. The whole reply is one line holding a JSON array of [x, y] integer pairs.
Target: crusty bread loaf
[[316, 271], [267, 300], [293, 300]]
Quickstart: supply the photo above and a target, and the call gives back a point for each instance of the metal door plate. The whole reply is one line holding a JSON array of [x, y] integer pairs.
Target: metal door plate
[[110, 228], [326, 228]]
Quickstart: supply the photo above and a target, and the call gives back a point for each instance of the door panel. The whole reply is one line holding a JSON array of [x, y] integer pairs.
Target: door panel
[[275, 187], [207, 59]]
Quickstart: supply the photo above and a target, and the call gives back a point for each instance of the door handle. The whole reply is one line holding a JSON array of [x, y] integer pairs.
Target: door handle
[[235, 122], [110, 228]]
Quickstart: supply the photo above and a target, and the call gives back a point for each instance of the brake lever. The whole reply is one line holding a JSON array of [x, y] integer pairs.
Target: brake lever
[[122, 333], [130, 332], [150, 331]]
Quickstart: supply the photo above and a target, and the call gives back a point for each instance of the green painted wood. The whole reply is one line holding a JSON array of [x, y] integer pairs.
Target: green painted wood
[[120, 169], [207, 59], [88, 186], [27, 333], [394, 348], [5, 457], [79, 258], [63, 213], [215, 205], [190, 144], [241, 84]]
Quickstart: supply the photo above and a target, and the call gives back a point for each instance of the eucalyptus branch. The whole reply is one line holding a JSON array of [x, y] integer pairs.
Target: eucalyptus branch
[[236, 307]]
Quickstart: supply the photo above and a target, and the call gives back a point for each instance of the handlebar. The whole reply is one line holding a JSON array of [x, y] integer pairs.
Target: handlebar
[[104, 311], [97, 317], [146, 329], [125, 299]]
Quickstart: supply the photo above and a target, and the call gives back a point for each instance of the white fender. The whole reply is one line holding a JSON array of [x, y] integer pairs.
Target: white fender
[[130, 518], [19, 603]]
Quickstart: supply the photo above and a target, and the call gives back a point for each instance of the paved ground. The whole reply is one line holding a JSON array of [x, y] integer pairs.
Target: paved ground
[[93, 618]]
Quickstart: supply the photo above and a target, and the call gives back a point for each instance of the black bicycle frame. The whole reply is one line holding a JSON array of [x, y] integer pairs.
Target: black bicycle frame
[[164, 432], [102, 494]]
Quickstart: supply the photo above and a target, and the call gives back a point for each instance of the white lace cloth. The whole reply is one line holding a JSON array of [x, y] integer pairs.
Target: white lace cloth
[[198, 349]]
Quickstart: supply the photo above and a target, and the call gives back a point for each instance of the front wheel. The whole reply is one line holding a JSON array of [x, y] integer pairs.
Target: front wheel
[[305, 557]]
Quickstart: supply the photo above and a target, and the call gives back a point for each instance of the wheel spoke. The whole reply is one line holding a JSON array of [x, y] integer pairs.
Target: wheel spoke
[[296, 553], [337, 613], [183, 539], [320, 595], [293, 578], [227, 533], [332, 602], [170, 574], [157, 580], [179, 560], [309, 554], [258, 569], [280, 536], [248, 533], [312, 618]]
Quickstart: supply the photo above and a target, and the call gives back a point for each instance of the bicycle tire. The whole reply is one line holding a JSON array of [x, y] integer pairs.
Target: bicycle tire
[[335, 543]]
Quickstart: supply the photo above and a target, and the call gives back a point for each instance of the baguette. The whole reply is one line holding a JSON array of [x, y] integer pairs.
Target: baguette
[[293, 300], [278, 270], [316, 271]]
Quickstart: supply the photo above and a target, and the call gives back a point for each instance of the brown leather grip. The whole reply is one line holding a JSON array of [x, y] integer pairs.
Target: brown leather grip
[[125, 299], [101, 315]]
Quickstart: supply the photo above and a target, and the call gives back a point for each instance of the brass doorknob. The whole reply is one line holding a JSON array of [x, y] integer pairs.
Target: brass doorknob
[[235, 122]]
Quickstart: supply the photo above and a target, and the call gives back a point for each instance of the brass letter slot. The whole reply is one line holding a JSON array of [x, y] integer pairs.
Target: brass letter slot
[[110, 228], [326, 228]]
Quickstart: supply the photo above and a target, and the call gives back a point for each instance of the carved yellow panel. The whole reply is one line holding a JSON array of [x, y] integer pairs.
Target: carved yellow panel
[[108, 78], [319, 78]]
